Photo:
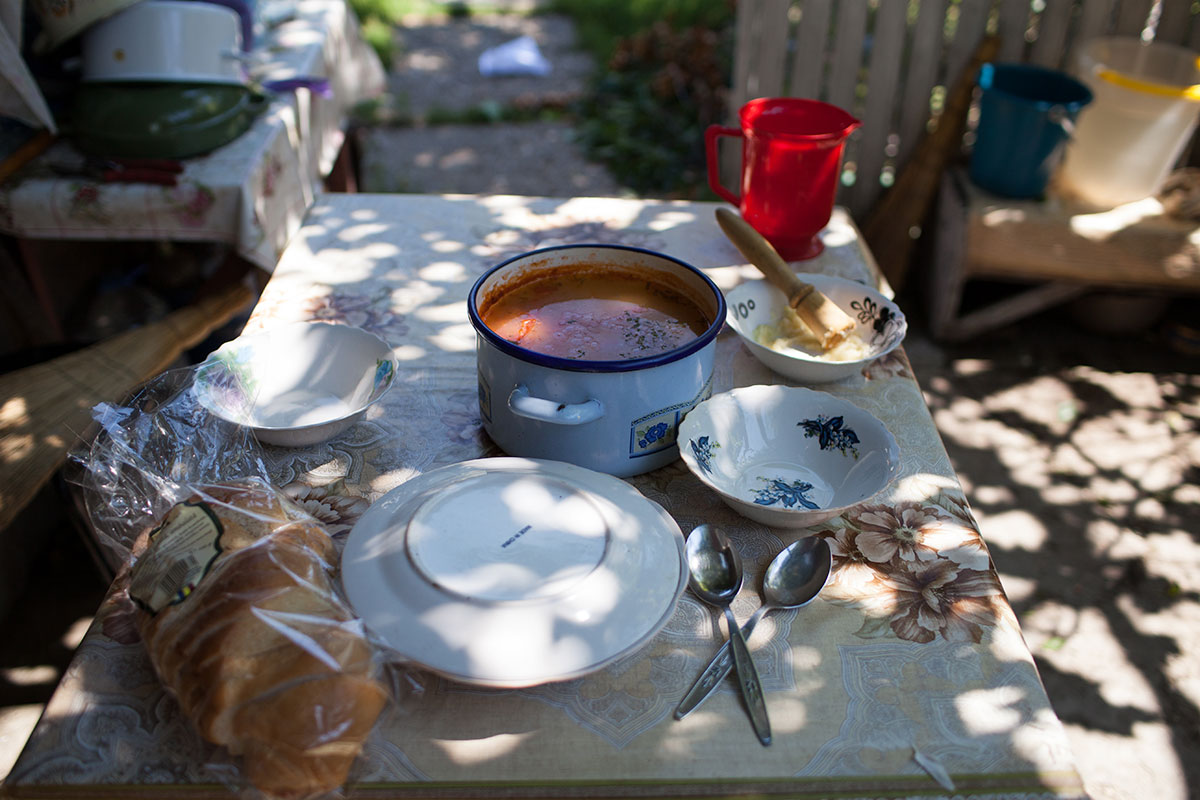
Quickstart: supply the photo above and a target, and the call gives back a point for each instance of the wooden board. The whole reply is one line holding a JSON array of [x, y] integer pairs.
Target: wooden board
[[46, 407], [1051, 251], [1135, 245]]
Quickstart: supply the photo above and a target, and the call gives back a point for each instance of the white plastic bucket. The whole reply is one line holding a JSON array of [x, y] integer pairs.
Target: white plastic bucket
[[1126, 142]]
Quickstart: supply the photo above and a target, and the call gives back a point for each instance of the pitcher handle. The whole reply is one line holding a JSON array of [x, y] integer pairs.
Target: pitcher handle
[[711, 134]]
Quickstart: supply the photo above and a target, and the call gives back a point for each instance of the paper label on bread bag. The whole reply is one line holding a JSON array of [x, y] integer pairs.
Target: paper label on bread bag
[[181, 551]]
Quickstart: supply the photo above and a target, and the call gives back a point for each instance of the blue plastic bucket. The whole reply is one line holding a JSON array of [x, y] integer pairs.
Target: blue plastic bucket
[[1026, 115]]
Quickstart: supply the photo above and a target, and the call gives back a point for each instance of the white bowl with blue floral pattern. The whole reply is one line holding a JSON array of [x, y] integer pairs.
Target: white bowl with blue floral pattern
[[296, 384], [787, 456], [758, 312]]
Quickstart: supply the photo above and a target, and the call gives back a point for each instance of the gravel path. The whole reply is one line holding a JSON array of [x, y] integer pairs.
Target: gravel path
[[438, 63], [530, 158], [438, 71]]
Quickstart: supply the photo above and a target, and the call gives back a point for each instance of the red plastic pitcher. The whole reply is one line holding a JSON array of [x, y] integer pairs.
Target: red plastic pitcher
[[791, 160]]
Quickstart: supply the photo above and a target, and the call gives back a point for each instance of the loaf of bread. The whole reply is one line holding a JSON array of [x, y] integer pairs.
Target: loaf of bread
[[242, 621]]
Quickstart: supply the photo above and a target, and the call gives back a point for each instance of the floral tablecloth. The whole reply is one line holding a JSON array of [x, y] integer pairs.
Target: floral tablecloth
[[252, 193], [909, 675]]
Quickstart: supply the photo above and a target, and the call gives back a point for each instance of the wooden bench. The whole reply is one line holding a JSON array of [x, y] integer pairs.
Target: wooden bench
[[1051, 251]]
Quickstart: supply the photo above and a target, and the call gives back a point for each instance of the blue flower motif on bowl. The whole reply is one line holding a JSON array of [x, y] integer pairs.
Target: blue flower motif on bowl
[[702, 449], [779, 491], [384, 371], [830, 434]]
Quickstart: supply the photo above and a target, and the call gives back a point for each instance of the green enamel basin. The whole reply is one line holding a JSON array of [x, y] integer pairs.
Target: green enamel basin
[[161, 120]]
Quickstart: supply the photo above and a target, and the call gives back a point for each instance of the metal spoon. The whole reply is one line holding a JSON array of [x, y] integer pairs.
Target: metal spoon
[[793, 579], [715, 575]]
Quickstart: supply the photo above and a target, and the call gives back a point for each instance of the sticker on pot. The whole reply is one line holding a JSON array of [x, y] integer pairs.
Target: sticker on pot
[[658, 430]]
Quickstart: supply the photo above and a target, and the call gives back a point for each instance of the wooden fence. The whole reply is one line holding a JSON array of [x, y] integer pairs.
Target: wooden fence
[[891, 63]]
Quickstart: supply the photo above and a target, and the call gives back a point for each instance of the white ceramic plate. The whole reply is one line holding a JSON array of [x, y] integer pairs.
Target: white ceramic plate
[[511, 572]]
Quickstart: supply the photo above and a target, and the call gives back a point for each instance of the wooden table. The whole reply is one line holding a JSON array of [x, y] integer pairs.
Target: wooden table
[[908, 673]]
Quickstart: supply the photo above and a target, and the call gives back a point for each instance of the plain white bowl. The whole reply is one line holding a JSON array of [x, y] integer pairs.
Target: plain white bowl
[[788, 456], [879, 323], [297, 384]]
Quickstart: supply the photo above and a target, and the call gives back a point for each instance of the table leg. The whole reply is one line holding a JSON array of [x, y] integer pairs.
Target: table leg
[[344, 175], [946, 279], [36, 277]]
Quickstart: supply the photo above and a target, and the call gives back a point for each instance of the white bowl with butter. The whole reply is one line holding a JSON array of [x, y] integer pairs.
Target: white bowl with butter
[[771, 331]]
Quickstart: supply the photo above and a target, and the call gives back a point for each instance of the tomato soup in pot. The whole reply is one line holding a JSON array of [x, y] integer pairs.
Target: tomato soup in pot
[[592, 354], [595, 312]]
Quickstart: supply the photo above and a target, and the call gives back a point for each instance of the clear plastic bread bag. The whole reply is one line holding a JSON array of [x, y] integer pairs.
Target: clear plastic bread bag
[[233, 589]]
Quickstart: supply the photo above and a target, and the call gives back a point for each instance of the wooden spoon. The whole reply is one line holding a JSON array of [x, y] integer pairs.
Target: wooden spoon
[[824, 318]]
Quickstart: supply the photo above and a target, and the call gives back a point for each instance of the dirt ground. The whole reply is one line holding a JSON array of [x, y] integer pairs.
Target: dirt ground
[[1079, 450], [1081, 457]]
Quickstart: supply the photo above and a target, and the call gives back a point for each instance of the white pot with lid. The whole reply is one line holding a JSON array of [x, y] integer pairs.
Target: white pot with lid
[[182, 41], [61, 22], [615, 416]]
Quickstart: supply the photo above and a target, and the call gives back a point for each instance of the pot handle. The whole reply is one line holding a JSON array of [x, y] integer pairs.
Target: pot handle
[[525, 405]]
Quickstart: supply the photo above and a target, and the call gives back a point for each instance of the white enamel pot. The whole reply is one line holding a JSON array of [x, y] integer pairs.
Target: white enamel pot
[[61, 21], [180, 41], [619, 417]]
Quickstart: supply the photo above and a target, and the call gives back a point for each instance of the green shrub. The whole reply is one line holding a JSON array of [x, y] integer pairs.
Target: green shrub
[[646, 113], [378, 34], [602, 24]]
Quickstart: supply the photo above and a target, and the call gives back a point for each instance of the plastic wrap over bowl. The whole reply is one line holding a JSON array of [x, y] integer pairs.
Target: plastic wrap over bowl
[[297, 384]]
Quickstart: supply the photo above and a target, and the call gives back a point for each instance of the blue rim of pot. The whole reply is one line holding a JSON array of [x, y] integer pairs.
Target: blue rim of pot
[[579, 365]]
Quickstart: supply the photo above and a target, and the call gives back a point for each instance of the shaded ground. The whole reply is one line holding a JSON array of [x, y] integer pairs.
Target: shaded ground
[[1080, 454], [509, 158]]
